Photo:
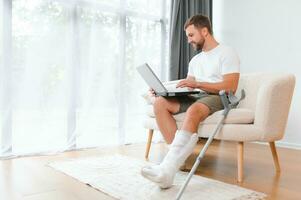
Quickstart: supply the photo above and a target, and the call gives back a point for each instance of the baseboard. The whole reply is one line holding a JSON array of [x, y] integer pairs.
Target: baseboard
[[288, 145], [284, 145]]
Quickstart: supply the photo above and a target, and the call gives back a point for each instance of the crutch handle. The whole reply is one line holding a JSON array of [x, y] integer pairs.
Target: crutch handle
[[225, 102]]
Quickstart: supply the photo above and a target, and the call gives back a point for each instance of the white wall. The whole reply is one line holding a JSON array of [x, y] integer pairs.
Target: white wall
[[267, 36]]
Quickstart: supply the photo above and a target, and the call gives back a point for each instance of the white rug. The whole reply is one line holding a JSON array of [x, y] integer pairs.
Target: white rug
[[119, 176]]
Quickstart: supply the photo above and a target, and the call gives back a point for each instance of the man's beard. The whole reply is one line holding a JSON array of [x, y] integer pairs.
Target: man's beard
[[199, 46]]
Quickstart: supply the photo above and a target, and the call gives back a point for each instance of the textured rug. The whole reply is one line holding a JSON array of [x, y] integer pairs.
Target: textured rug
[[119, 177]]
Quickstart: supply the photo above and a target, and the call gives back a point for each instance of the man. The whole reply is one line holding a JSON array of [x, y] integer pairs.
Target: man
[[215, 68]]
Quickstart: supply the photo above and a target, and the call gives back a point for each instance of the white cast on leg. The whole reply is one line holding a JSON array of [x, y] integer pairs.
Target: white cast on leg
[[181, 147]]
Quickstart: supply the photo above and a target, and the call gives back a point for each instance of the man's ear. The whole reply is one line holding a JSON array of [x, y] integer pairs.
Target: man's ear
[[204, 31]]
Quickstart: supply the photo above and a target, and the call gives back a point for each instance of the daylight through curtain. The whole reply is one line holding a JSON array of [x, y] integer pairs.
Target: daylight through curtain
[[68, 77]]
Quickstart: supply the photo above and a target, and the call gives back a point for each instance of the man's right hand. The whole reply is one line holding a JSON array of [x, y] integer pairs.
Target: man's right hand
[[151, 92]]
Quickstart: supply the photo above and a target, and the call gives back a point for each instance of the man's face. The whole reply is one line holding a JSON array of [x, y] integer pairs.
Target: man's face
[[195, 37]]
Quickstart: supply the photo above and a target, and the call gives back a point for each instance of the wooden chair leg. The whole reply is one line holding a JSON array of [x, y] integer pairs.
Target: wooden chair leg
[[149, 142], [240, 160], [275, 156]]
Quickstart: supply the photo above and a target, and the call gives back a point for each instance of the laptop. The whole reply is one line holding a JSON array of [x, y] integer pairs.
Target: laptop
[[160, 90]]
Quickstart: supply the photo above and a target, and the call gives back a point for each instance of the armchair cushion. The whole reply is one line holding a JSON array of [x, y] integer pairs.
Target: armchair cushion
[[235, 116]]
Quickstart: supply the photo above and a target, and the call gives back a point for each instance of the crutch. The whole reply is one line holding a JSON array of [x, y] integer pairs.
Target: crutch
[[228, 103]]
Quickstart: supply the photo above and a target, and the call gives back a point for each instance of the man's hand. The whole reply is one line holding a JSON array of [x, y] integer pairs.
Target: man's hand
[[151, 92], [191, 84]]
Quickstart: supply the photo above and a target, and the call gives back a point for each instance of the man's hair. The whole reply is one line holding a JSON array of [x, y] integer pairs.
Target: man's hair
[[199, 21]]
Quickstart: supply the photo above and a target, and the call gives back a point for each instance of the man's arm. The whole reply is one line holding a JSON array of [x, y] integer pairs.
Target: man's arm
[[230, 82]]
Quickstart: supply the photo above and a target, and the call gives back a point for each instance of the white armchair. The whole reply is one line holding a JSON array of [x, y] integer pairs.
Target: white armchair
[[261, 116]]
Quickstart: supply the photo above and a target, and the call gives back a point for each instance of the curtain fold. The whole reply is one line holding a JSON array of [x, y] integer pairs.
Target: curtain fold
[[6, 77], [180, 51]]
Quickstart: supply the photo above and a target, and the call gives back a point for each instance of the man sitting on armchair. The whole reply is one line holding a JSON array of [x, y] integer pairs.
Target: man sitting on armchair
[[215, 68]]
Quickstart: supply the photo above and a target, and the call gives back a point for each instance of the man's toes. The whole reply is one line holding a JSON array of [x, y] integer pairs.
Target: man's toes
[[148, 171]]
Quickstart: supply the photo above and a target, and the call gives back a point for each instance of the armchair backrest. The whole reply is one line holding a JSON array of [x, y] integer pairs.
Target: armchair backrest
[[269, 96]]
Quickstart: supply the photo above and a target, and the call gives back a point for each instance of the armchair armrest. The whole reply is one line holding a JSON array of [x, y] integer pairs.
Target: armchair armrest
[[272, 106]]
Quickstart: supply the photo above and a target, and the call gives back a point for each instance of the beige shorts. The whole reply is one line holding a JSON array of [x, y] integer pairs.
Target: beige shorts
[[212, 101]]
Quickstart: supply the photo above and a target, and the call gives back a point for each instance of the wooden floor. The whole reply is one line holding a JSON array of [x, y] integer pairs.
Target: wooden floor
[[28, 178]]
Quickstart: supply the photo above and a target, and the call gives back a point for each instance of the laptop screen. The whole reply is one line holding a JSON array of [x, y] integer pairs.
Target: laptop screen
[[151, 79]]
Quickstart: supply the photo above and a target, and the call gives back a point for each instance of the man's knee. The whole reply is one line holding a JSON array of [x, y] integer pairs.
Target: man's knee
[[198, 111], [160, 103], [163, 104]]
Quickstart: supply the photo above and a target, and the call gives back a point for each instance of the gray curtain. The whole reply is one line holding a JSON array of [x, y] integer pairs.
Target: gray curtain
[[180, 51]]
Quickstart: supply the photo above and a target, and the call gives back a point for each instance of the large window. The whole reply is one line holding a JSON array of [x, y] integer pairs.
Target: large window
[[73, 79]]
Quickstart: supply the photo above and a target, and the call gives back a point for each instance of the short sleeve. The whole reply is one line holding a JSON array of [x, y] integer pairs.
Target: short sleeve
[[194, 62], [230, 62], [190, 69]]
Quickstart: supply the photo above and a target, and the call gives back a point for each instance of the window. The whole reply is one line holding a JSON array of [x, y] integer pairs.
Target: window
[[73, 77]]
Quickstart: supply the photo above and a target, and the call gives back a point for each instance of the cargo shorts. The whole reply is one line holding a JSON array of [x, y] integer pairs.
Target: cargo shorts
[[212, 101]]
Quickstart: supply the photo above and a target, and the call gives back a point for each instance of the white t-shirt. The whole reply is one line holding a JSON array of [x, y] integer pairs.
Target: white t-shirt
[[210, 66]]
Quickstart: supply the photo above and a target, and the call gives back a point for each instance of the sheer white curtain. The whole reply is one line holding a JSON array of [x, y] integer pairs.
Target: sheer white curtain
[[69, 80], [1, 70]]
